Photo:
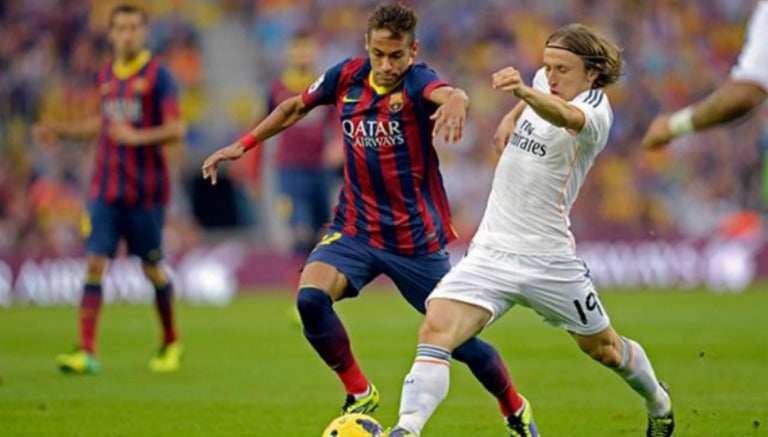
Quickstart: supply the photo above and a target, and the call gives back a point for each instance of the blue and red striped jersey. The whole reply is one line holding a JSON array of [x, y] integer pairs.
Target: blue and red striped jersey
[[133, 175], [393, 196], [303, 145]]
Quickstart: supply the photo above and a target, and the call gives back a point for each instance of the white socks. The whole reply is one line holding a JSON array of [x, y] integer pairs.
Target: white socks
[[636, 369], [425, 387], [359, 396]]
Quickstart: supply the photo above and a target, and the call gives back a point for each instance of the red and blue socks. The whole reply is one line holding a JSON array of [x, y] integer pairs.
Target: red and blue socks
[[90, 307], [489, 368], [164, 306], [325, 332]]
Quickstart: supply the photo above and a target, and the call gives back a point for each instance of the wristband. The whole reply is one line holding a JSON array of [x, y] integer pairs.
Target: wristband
[[248, 141], [681, 122]]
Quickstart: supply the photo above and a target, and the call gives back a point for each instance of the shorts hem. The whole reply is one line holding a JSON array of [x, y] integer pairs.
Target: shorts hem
[[353, 290], [469, 301], [587, 332]]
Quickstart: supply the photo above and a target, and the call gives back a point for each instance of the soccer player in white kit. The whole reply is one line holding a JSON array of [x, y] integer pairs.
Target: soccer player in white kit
[[523, 252], [746, 90]]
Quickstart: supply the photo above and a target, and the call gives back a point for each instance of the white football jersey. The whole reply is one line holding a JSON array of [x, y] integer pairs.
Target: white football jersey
[[538, 178], [753, 60]]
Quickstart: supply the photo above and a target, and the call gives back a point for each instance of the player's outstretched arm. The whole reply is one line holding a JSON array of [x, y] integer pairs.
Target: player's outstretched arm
[[51, 131], [506, 127], [551, 108], [451, 113], [732, 100], [285, 115]]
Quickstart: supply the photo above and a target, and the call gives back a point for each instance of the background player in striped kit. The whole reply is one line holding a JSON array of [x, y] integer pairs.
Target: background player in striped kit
[[308, 157], [130, 187], [392, 217], [524, 252]]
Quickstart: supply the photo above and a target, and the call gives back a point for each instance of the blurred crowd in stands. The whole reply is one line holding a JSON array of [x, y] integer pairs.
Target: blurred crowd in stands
[[224, 53]]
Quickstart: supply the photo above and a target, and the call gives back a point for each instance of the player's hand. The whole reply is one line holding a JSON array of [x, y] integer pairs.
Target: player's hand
[[44, 133], [124, 133], [229, 153], [658, 134], [450, 117], [508, 79]]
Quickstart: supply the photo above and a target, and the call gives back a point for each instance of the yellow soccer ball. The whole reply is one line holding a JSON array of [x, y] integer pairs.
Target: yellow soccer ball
[[354, 425]]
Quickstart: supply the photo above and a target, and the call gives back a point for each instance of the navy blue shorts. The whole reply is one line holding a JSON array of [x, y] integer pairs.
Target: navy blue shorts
[[141, 227], [307, 190], [414, 276]]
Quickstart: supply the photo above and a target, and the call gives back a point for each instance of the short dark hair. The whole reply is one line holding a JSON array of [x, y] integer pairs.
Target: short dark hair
[[595, 50], [127, 8], [396, 18]]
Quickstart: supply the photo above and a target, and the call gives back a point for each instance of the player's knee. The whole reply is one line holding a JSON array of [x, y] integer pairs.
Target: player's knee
[[312, 304], [94, 268], [154, 273], [433, 330]]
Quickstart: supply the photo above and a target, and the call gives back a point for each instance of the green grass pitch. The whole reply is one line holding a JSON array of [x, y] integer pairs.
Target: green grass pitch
[[249, 372]]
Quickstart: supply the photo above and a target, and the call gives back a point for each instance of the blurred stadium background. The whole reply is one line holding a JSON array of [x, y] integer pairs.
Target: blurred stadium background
[[690, 218]]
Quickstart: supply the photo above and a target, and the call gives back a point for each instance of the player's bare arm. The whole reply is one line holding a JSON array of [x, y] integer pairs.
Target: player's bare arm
[[731, 101], [49, 131], [549, 107], [451, 114], [169, 132], [506, 127], [287, 113]]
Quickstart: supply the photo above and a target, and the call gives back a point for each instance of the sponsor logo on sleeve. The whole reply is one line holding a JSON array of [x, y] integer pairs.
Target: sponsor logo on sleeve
[[316, 84]]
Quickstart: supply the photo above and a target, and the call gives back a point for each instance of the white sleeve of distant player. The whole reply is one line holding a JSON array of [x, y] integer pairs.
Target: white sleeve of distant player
[[597, 117], [540, 81], [753, 60]]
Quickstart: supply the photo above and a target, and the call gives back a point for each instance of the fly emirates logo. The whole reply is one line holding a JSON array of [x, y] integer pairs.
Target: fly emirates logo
[[374, 134], [522, 139]]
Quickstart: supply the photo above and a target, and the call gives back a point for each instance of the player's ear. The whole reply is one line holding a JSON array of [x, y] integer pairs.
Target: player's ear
[[414, 48], [592, 74], [367, 41]]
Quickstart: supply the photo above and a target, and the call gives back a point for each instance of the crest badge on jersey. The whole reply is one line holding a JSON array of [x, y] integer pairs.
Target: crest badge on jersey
[[140, 85], [396, 102], [316, 84], [105, 88]]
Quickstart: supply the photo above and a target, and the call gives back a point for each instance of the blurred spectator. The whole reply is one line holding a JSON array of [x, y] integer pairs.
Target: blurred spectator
[[224, 53]]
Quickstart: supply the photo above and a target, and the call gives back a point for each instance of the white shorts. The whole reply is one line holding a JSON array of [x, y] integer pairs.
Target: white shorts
[[557, 287]]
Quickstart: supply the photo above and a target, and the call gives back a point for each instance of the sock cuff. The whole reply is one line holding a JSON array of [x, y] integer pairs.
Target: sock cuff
[[164, 288], [626, 353], [313, 293], [92, 288], [430, 352]]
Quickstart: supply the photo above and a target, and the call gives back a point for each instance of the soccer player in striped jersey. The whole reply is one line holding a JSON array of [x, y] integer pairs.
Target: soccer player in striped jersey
[[746, 90], [392, 216], [524, 252], [303, 158], [129, 187]]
